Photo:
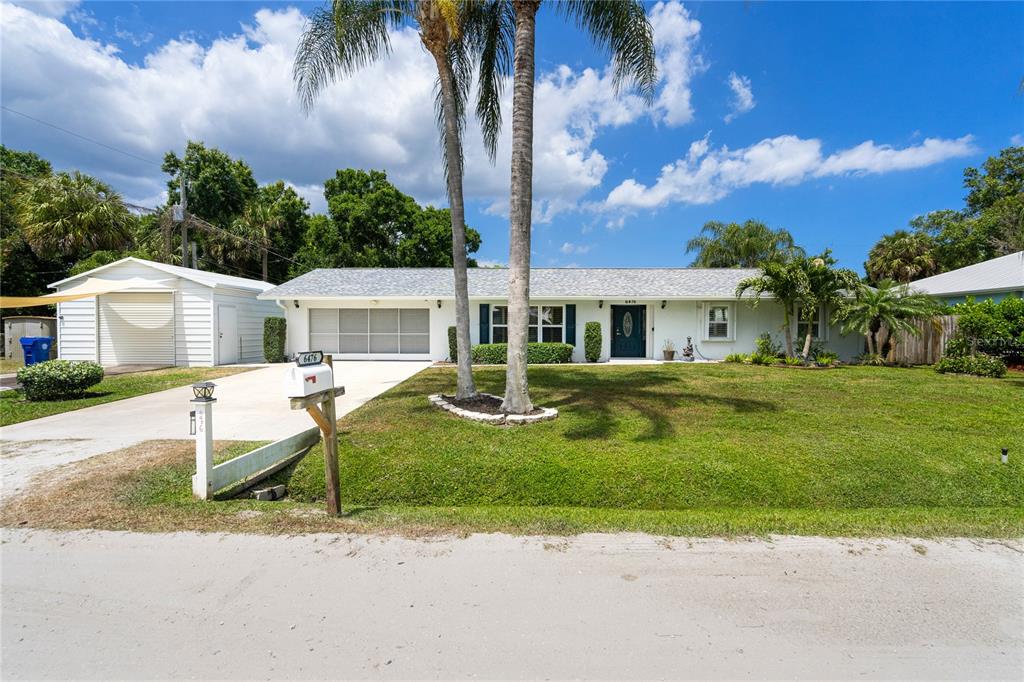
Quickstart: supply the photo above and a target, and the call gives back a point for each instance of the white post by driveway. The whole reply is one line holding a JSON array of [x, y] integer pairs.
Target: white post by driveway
[[202, 483]]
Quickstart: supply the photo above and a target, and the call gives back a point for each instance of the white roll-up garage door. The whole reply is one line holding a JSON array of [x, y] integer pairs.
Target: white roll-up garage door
[[136, 329], [371, 332]]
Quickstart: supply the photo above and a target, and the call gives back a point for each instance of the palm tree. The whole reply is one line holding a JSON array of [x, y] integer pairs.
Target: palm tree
[[732, 245], [69, 214], [350, 34], [258, 223], [621, 28], [890, 305], [827, 288], [787, 283], [902, 256]]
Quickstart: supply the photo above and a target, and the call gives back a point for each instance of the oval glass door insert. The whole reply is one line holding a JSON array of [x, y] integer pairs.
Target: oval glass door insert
[[627, 324]]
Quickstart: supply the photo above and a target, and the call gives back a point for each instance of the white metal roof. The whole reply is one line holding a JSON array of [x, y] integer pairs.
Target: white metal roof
[[1005, 273], [210, 279]]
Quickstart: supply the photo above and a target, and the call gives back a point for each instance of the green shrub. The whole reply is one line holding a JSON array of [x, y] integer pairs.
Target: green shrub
[[453, 345], [274, 333], [792, 361], [761, 359], [826, 359], [979, 365], [592, 341], [536, 353], [873, 359], [58, 379], [765, 345], [735, 357]]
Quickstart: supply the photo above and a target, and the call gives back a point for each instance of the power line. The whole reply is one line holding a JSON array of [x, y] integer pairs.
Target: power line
[[81, 137]]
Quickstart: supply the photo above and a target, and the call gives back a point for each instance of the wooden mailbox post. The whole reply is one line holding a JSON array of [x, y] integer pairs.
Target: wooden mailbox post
[[320, 407]]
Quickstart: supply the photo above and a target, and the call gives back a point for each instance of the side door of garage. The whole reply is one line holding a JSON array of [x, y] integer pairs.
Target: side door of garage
[[136, 329]]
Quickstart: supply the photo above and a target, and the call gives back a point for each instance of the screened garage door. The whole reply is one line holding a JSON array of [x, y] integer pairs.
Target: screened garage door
[[136, 329], [370, 331]]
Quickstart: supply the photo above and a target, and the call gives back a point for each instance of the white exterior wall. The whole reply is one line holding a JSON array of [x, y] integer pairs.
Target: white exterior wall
[[194, 323], [251, 313], [676, 321]]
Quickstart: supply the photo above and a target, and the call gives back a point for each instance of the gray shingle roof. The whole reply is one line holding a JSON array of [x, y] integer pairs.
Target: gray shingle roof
[[493, 283]]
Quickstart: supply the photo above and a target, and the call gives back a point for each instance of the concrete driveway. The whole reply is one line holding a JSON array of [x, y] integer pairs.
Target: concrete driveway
[[249, 406]]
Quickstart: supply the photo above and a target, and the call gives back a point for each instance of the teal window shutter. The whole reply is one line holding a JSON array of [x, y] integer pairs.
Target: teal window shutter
[[570, 324], [485, 323]]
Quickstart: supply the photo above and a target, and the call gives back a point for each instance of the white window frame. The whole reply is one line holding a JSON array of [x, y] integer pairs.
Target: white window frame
[[705, 317], [822, 332], [540, 326]]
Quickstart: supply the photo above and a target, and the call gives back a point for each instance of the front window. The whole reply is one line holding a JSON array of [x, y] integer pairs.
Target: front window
[[813, 323], [718, 322], [547, 323]]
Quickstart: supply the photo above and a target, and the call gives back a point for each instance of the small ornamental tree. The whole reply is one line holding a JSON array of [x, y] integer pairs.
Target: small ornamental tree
[[592, 341], [274, 332]]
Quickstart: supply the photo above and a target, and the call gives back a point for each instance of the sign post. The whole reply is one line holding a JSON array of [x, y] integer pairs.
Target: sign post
[[320, 406]]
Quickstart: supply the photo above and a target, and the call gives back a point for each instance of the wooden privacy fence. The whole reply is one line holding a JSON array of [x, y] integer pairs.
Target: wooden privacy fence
[[927, 348]]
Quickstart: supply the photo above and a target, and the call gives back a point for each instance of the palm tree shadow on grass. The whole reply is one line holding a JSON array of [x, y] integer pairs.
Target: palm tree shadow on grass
[[600, 405]]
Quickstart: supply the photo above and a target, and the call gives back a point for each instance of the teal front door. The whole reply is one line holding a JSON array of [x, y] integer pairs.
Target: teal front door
[[628, 338]]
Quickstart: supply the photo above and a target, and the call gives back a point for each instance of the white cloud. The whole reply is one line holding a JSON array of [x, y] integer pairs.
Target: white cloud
[[743, 96], [675, 37], [1017, 140], [49, 8], [707, 175], [570, 248], [236, 93]]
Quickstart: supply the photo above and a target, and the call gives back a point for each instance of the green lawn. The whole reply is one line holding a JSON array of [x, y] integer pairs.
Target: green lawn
[[10, 365], [709, 449], [14, 408]]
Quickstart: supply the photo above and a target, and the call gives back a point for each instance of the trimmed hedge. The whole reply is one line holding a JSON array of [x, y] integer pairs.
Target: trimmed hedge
[[58, 379], [453, 345], [274, 333], [536, 353], [978, 365], [592, 341]]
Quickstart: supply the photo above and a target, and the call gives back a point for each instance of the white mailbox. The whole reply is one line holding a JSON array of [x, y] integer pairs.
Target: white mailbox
[[300, 382]]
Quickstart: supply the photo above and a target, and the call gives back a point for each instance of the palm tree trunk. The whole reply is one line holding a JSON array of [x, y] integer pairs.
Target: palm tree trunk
[[787, 329], [807, 346], [517, 392], [871, 342], [453, 154]]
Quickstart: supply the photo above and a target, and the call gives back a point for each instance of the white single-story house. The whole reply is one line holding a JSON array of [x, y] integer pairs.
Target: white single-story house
[[158, 314], [996, 279], [404, 313]]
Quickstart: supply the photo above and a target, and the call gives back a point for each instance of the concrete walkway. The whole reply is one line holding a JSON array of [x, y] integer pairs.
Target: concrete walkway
[[250, 406], [100, 605]]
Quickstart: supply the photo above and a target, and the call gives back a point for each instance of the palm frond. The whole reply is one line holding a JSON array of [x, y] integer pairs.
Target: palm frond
[[339, 40], [621, 28], [489, 27]]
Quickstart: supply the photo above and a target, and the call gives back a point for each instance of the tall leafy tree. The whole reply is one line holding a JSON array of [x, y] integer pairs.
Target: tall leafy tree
[[73, 213], [620, 28], [218, 186], [258, 223], [902, 256], [746, 245], [350, 34], [889, 305], [827, 288]]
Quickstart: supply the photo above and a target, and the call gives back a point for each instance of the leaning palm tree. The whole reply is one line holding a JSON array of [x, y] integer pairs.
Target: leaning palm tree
[[622, 29], [787, 283], [888, 305], [72, 214], [828, 287], [350, 34]]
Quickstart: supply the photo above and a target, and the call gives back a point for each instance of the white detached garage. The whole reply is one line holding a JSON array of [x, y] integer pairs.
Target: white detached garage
[[157, 314]]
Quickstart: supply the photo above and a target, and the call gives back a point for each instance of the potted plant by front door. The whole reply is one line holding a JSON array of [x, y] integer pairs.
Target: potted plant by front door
[[668, 350]]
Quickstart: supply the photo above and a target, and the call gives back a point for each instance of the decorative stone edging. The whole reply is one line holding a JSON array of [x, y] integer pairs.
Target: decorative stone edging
[[547, 413]]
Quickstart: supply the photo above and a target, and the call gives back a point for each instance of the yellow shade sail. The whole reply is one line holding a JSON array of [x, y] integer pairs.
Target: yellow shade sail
[[91, 286]]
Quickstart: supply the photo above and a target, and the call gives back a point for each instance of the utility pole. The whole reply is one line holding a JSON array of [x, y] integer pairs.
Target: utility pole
[[184, 222]]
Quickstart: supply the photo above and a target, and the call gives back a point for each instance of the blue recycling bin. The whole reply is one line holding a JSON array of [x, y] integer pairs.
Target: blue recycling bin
[[36, 348]]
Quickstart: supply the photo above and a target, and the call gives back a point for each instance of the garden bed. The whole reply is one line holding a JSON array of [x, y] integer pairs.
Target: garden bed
[[486, 408]]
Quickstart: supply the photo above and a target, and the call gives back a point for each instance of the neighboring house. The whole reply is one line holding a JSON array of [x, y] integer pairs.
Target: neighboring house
[[996, 279], [169, 315], [403, 313]]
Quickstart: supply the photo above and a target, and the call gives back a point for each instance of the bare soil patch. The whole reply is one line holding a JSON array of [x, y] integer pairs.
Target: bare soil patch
[[484, 402]]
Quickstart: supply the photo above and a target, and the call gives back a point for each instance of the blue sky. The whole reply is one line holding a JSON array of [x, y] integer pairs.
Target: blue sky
[[836, 121]]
